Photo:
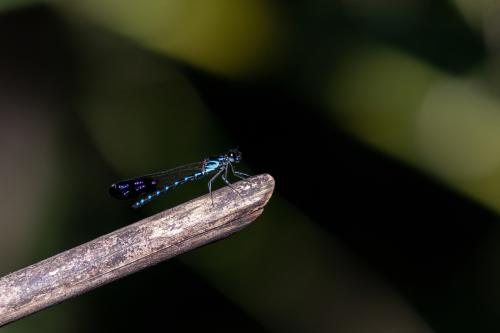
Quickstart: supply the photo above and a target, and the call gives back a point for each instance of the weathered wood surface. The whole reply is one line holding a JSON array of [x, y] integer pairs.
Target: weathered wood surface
[[132, 248]]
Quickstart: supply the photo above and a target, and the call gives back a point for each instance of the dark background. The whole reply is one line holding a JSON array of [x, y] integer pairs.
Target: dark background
[[377, 120]]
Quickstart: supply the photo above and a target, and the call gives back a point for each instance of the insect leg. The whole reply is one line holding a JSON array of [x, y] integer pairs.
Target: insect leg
[[238, 174], [224, 178], [210, 184]]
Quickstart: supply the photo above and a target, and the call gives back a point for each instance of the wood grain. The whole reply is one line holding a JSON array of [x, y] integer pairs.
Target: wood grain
[[132, 248]]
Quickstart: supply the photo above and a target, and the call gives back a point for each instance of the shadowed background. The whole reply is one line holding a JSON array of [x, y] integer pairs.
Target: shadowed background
[[380, 122]]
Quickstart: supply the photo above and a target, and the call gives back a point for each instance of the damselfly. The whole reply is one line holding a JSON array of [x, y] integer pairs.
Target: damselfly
[[148, 187]]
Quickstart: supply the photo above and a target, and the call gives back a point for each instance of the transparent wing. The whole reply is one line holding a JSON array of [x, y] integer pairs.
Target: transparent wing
[[159, 181], [178, 174]]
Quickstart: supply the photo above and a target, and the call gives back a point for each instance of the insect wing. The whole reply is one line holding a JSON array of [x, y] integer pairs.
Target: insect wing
[[132, 188], [178, 175]]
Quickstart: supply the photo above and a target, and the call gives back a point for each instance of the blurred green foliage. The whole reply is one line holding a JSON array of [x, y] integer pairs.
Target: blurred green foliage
[[12, 4]]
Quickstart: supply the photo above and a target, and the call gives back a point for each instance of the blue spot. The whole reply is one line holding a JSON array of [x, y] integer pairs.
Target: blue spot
[[142, 200], [157, 192], [198, 174], [149, 197], [166, 188], [212, 165], [176, 183]]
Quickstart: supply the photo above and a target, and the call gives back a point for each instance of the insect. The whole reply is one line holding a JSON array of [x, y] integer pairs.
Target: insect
[[148, 187]]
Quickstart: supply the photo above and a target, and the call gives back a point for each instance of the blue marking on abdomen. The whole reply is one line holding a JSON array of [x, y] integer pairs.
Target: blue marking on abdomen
[[166, 188]]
